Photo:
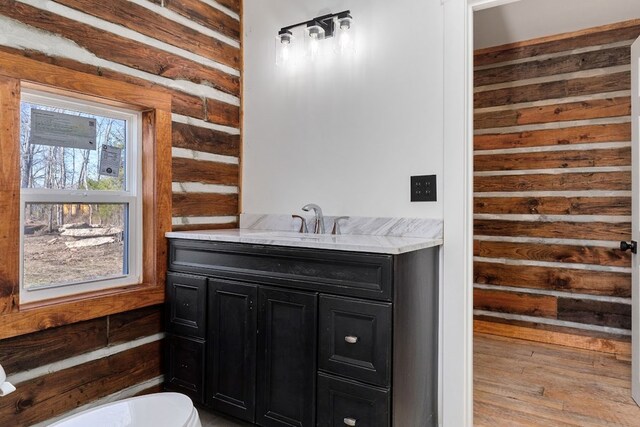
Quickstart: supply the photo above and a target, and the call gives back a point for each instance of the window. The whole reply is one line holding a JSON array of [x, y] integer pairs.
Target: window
[[80, 199]]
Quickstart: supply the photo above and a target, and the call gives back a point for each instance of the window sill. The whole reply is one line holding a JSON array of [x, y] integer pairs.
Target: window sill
[[53, 313]]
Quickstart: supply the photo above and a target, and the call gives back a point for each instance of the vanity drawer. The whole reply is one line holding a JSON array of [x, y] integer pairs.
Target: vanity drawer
[[186, 299], [355, 339], [336, 272], [346, 403], [184, 366]]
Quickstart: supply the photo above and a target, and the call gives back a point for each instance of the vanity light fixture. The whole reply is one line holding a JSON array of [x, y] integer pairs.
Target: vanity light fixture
[[284, 47], [338, 25]]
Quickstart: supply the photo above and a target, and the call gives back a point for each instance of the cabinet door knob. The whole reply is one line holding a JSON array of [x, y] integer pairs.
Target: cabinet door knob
[[351, 340], [350, 421]]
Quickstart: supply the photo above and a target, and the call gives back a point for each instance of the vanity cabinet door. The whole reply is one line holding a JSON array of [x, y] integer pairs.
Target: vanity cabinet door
[[231, 380], [186, 299], [287, 328], [185, 366]]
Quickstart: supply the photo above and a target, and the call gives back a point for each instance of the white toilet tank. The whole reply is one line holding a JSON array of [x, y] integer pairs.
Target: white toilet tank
[[153, 410]]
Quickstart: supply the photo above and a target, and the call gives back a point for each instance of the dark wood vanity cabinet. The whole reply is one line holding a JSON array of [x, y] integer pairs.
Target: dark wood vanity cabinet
[[283, 336], [231, 347], [185, 344]]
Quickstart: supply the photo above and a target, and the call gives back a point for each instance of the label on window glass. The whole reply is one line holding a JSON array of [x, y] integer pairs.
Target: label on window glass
[[110, 158], [63, 130]]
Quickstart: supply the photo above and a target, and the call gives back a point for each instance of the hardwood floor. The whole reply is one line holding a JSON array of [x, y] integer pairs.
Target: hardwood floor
[[523, 383]]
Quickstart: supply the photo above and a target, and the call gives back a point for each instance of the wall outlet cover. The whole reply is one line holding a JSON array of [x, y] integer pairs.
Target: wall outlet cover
[[423, 188]]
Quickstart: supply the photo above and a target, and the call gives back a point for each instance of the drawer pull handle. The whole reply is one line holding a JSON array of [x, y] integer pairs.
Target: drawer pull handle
[[351, 340], [350, 421]]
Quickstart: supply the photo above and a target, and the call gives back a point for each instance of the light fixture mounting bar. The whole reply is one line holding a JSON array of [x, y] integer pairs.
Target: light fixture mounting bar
[[325, 22]]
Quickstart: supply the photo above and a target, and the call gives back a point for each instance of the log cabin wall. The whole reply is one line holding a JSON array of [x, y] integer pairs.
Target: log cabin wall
[[191, 50], [552, 181]]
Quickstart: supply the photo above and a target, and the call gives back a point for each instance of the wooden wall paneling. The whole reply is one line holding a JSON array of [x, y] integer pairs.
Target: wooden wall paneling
[[44, 397], [619, 181], [617, 132], [85, 307], [518, 87], [553, 278], [571, 337], [182, 103], [122, 50], [554, 159], [555, 89], [572, 63], [611, 314], [560, 112], [9, 192], [188, 105], [206, 140], [45, 75], [596, 230], [191, 170], [597, 255], [204, 14], [29, 351], [223, 113], [144, 21], [191, 227], [612, 33], [204, 204], [553, 205], [158, 388], [73, 326], [233, 5], [125, 327], [515, 302]]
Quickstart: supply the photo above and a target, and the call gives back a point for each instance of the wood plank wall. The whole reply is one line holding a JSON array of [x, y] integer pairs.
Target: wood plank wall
[[68, 367], [552, 181], [187, 48]]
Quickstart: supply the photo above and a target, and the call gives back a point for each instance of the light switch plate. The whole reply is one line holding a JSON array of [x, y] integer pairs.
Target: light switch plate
[[423, 188]]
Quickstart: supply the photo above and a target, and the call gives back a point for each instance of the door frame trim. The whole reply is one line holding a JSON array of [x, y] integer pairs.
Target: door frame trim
[[456, 382]]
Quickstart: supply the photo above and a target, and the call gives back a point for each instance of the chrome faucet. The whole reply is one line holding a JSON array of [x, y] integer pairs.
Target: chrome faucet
[[303, 223], [336, 225], [319, 227]]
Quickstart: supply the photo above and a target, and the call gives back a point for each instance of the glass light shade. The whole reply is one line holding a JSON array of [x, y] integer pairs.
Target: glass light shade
[[284, 49], [345, 35], [314, 34]]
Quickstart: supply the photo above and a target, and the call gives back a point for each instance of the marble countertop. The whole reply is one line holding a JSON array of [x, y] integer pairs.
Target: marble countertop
[[345, 242]]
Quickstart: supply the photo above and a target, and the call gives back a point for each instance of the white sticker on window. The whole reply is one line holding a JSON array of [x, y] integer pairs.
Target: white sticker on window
[[63, 130], [110, 160]]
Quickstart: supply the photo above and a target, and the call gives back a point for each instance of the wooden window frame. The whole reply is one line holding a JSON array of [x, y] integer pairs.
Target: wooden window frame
[[17, 72]]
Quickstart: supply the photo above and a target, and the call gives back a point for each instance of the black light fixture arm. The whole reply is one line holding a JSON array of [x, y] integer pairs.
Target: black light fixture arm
[[325, 22]]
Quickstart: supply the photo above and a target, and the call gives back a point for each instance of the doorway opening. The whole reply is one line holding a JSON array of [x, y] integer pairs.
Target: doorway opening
[[552, 200]]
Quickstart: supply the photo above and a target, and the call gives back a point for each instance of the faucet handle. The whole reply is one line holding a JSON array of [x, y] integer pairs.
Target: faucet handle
[[336, 224], [303, 223]]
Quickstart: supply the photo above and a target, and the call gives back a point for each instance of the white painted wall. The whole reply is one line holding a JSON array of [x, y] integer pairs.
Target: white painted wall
[[529, 19], [344, 134]]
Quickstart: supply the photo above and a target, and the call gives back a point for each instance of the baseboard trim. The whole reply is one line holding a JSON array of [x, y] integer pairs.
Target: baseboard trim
[[619, 347]]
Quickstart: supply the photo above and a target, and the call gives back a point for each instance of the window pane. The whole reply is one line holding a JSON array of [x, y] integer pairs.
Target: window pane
[[70, 243], [58, 165]]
